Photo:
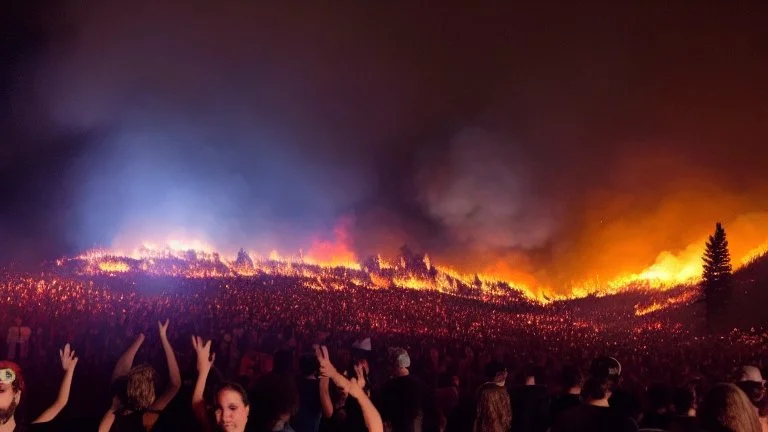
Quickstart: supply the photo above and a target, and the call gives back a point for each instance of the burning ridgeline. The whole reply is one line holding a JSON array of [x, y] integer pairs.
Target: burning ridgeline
[[409, 270]]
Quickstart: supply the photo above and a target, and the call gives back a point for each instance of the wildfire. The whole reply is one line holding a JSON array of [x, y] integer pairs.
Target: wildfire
[[684, 298], [331, 263], [110, 266], [321, 269], [754, 254]]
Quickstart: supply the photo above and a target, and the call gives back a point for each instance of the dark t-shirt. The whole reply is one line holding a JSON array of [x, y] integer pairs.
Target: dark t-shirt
[[307, 419], [654, 420], [38, 427], [403, 402], [562, 403], [530, 408], [683, 424], [589, 418]]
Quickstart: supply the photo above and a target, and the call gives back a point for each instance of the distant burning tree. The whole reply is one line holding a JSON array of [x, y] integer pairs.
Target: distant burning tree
[[716, 278]]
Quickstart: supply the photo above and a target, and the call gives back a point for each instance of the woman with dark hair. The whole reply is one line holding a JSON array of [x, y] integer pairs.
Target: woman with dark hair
[[232, 407], [12, 387], [135, 406], [231, 404], [727, 409]]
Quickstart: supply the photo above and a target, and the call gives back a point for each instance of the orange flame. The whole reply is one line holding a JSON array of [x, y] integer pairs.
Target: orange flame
[[336, 252], [331, 262]]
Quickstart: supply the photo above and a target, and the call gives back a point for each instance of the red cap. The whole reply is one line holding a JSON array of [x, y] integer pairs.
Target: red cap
[[18, 383]]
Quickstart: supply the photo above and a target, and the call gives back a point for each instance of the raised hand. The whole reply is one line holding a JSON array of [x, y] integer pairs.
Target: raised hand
[[163, 328], [68, 359], [353, 387], [326, 367], [361, 369], [203, 351]]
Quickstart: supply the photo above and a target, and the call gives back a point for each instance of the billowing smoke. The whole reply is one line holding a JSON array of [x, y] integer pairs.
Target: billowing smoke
[[516, 141], [484, 195]]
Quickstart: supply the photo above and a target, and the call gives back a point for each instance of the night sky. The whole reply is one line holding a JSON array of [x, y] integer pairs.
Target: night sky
[[550, 137]]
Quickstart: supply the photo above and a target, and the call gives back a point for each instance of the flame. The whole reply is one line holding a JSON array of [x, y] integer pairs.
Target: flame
[[684, 298], [336, 252], [685, 266], [321, 269], [110, 266], [754, 254], [331, 263]]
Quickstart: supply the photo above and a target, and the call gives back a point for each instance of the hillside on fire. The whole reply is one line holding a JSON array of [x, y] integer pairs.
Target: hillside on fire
[[156, 270]]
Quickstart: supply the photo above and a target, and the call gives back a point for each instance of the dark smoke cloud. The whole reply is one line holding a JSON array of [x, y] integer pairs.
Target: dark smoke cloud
[[485, 196], [538, 135]]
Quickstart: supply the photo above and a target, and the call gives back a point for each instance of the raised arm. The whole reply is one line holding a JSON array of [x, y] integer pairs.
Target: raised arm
[[68, 363], [354, 386], [326, 404], [371, 415], [125, 362], [106, 422], [173, 370], [204, 364]]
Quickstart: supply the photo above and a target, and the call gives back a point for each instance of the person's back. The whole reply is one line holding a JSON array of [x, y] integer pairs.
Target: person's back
[[571, 381], [562, 403], [727, 408], [684, 420], [591, 418], [594, 415], [755, 391], [405, 403], [132, 422], [530, 404], [307, 418], [657, 416], [401, 402], [683, 424], [493, 409]]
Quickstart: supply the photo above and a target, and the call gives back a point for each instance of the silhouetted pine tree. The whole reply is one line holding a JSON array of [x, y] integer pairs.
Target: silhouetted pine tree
[[717, 277]]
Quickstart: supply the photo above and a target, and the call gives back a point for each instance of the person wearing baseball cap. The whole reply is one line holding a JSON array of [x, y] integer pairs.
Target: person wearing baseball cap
[[750, 373], [11, 388], [750, 381], [609, 369], [405, 402], [606, 367]]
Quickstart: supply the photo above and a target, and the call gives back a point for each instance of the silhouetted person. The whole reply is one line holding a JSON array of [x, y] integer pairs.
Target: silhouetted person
[[594, 415]]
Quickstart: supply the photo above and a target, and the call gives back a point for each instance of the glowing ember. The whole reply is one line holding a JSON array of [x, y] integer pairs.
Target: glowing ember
[[109, 266], [681, 299]]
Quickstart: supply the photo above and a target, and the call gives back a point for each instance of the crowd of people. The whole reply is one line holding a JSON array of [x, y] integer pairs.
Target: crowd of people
[[266, 353]]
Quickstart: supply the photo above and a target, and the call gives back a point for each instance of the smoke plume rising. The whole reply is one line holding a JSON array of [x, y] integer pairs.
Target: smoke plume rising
[[519, 141]]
